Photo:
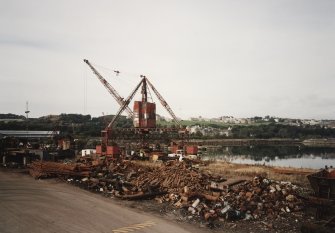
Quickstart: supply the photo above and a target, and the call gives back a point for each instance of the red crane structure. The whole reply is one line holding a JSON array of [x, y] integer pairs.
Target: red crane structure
[[144, 114], [109, 87]]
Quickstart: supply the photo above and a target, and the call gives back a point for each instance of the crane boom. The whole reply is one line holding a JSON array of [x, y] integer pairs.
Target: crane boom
[[126, 102], [163, 102], [110, 89]]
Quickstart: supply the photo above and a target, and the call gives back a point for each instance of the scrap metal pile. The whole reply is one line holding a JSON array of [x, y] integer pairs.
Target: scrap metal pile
[[40, 169], [198, 193]]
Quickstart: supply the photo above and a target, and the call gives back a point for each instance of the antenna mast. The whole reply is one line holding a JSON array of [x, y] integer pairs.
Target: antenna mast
[[27, 110]]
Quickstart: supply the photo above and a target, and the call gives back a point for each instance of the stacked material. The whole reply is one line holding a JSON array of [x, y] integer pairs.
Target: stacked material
[[173, 177], [199, 194], [40, 169], [125, 179]]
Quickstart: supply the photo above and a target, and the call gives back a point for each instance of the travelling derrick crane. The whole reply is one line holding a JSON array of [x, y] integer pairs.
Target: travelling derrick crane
[[143, 116], [110, 89]]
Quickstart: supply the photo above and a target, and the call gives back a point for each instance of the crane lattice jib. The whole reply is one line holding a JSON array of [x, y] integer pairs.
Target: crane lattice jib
[[110, 89], [123, 107], [163, 102]]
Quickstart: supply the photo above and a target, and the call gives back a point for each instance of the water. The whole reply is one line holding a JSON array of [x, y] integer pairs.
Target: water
[[283, 156]]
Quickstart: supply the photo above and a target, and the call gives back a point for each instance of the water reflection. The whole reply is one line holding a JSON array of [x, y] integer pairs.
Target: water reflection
[[284, 156]]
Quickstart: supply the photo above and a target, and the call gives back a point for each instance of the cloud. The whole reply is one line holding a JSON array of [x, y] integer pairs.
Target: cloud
[[21, 42], [237, 58]]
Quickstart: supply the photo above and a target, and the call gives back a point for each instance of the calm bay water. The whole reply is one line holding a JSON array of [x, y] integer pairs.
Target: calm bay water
[[283, 156]]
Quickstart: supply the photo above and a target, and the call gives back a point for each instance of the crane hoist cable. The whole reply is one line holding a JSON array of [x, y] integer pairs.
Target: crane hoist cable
[[152, 100], [110, 88]]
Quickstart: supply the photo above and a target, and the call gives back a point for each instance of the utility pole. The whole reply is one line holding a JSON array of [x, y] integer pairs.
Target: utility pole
[[27, 110], [27, 117]]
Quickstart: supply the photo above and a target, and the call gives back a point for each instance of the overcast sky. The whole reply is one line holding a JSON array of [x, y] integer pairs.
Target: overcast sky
[[207, 58]]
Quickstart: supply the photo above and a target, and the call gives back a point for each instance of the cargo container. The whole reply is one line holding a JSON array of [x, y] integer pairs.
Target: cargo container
[[98, 150], [113, 151], [191, 150], [174, 149]]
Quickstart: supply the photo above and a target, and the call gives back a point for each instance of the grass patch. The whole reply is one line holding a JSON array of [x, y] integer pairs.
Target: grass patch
[[230, 170]]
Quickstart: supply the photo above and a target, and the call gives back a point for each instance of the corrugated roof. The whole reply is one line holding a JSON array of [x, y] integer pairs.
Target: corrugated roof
[[29, 133]]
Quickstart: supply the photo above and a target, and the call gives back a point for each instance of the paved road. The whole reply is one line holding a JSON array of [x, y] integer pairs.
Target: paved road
[[28, 205]]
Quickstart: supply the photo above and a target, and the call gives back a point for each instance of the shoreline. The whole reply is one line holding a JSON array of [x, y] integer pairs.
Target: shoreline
[[271, 142]]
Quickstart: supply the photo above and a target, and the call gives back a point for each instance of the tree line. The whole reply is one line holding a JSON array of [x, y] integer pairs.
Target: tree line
[[282, 131], [86, 126]]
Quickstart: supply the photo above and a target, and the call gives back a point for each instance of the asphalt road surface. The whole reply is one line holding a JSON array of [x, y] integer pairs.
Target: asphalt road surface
[[29, 205]]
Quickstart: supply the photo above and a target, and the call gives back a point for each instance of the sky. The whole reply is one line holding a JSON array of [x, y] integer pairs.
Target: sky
[[207, 58]]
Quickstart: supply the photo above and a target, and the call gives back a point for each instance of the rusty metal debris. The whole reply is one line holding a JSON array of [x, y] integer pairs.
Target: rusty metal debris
[[323, 183], [183, 186], [40, 169]]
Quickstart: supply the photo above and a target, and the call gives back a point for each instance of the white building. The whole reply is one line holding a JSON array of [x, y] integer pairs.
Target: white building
[[85, 152]]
